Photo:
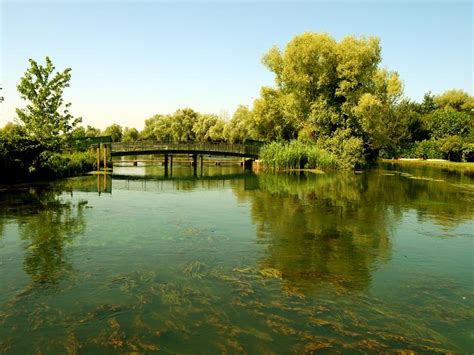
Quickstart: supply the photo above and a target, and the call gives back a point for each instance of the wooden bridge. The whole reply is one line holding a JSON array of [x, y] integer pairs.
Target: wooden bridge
[[148, 147], [247, 151]]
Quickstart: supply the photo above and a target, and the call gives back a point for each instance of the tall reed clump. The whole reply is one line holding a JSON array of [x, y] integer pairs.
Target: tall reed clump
[[296, 155]]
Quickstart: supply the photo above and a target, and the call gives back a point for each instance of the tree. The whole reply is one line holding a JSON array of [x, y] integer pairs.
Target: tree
[[182, 124], [130, 134], [216, 132], [115, 131], [326, 88], [92, 131], [202, 127], [46, 116], [447, 122], [240, 127], [458, 100]]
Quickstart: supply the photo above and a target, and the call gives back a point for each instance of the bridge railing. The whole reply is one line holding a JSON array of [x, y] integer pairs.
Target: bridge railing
[[243, 149]]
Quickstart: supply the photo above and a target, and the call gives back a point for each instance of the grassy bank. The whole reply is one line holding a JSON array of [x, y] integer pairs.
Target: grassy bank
[[441, 164]]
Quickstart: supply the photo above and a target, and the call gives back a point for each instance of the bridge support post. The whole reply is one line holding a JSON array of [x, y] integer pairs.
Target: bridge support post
[[171, 165], [195, 164], [98, 158], [166, 164], [105, 157], [202, 165], [248, 164]]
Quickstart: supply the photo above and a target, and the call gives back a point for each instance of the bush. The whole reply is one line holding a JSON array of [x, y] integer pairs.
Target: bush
[[450, 148], [348, 149], [66, 164]]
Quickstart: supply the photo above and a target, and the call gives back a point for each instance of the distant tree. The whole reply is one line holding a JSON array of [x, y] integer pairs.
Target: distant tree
[[202, 126], [182, 124], [78, 132], [240, 127], [130, 134], [46, 116], [115, 131], [92, 131], [216, 132]]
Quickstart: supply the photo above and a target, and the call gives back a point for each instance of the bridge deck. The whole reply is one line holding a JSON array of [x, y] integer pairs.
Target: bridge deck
[[147, 147]]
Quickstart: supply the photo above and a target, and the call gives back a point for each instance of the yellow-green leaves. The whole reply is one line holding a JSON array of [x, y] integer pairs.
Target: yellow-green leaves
[[323, 85]]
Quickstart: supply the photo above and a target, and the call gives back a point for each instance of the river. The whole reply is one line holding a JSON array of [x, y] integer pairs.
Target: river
[[228, 261]]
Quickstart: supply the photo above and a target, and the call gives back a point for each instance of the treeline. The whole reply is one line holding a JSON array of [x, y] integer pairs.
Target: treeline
[[332, 105], [185, 125]]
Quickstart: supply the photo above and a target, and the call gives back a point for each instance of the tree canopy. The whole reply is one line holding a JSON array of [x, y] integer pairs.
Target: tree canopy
[[46, 116], [323, 86]]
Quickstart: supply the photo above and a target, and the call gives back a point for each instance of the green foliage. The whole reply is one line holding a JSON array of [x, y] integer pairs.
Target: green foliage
[[202, 127], [66, 164], [348, 149], [457, 100], [296, 155], [130, 135], [24, 157], [324, 86], [182, 124], [447, 122], [468, 152], [240, 127], [452, 148], [115, 131], [270, 121], [92, 131], [19, 153], [46, 117]]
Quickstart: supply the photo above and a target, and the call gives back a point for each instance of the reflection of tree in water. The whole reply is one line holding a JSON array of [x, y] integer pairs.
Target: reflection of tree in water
[[336, 227], [319, 228], [47, 224]]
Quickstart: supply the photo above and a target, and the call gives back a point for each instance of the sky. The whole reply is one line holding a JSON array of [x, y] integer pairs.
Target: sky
[[133, 59]]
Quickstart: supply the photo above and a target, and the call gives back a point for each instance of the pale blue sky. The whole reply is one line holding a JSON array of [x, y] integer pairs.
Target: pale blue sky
[[131, 60]]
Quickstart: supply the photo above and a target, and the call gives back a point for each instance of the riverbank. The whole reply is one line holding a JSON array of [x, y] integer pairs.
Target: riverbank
[[434, 163]]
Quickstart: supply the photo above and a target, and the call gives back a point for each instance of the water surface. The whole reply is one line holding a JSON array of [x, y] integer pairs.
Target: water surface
[[228, 261]]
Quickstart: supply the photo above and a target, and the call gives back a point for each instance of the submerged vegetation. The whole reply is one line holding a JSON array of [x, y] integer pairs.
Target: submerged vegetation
[[305, 268]]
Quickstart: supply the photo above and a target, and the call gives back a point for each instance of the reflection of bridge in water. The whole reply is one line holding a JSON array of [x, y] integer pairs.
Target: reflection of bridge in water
[[102, 183]]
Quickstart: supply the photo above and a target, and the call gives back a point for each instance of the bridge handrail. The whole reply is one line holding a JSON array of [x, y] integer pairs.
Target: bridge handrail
[[189, 146]]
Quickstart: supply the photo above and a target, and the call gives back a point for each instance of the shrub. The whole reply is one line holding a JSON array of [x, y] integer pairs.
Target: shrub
[[66, 164]]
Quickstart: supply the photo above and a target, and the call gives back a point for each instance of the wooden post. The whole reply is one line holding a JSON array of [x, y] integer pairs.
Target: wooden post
[[171, 165], [105, 157], [98, 158], [202, 166], [195, 164], [166, 165]]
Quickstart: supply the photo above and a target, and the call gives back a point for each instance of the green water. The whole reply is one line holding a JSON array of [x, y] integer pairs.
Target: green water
[[371, 261]]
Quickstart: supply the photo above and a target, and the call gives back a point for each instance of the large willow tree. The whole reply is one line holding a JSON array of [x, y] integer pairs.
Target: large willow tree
[[325, 89]]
